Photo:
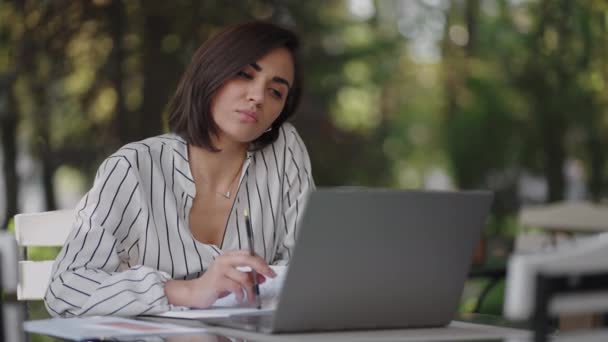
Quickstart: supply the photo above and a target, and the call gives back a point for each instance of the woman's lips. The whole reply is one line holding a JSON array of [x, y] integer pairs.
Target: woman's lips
[[248, 115]]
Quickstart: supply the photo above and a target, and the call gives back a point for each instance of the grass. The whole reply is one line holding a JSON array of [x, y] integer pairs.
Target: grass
[[493, 302]]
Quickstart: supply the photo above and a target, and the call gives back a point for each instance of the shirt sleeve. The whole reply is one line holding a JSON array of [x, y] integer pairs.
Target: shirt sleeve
[[298, 182], [91, 275]]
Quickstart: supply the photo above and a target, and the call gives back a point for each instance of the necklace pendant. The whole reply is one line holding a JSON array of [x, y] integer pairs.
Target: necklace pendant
[[227, 194]]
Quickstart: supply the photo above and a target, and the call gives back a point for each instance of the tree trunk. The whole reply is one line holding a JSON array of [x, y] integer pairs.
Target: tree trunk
[[9, 154], [555, 132], [472, 15], [597, 164], [546, 81], [9, 120], [123, 123], [593, 124], [160, 73], [555, 157], [46, 160]]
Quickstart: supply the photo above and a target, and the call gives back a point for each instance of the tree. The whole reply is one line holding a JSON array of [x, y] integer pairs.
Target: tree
[[8, 113]]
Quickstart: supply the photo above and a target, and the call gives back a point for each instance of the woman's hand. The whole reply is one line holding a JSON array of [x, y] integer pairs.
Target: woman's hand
[[220, 279]]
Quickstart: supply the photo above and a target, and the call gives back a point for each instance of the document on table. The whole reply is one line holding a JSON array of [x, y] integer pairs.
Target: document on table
[[102, 328], [209, 313], [227, 306]]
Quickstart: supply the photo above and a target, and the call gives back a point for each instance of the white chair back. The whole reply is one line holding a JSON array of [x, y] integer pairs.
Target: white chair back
[[48, 229]]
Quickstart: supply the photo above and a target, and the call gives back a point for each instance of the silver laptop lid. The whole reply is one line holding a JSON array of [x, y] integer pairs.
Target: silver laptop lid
[[369, 258]]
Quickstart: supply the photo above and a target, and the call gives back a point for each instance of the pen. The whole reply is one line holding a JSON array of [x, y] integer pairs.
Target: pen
[[256, 286]]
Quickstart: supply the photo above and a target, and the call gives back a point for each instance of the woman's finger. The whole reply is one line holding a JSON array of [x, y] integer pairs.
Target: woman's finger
[[234, 287], [261, 278], [244, 280], [255, 262]]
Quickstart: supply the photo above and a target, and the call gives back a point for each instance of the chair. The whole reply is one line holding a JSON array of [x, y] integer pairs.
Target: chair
[[567, 280], [11, 313], [48, 229]]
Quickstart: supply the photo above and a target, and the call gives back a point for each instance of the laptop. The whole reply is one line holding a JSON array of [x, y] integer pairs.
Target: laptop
[[375, 259]]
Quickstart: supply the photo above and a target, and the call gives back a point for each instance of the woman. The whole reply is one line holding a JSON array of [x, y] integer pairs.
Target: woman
[[162, 226]]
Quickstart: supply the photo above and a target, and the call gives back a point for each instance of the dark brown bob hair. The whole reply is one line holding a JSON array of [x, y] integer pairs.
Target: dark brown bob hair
[[219, 59]]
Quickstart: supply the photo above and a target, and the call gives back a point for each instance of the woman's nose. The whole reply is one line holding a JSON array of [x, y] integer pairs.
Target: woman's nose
[[256, 95]]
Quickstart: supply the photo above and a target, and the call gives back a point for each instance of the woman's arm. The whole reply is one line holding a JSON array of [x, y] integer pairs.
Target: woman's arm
[[87, 278]]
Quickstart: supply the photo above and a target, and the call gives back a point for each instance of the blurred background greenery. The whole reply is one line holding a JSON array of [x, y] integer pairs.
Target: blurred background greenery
[[506, 95]]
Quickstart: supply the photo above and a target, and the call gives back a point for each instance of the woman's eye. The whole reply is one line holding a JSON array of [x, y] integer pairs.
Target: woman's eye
[[244, 75], [276, 93]]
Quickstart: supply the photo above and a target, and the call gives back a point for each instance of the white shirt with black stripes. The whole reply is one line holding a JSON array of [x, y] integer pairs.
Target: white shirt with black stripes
[[131, 231]]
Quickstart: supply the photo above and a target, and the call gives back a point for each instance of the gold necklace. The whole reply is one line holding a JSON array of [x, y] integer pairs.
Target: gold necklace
[[226, 194]]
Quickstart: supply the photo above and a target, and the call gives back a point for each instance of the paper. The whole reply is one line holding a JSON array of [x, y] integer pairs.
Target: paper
[[210, 313], [100, 328]]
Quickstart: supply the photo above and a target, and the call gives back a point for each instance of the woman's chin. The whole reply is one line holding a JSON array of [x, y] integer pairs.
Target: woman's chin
[[240, 136]]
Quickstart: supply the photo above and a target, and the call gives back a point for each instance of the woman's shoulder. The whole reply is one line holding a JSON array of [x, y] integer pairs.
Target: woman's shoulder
[[150, 148], [288, 128], [289, 141], [288, 135]]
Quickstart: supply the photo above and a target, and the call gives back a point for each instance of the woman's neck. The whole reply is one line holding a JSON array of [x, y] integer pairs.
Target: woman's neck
[[217, 168]]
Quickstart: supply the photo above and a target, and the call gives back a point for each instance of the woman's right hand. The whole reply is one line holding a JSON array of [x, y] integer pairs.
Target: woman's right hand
[[219, 280]]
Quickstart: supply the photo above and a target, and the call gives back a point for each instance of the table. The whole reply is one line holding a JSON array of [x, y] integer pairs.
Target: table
[[224, 334], [382, 335]]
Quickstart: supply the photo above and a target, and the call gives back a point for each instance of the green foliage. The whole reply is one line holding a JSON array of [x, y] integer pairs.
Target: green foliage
[[474, 113], [505, 226], [11, 225], [42, 253], [510, 86], [485, 120], [493, 303]]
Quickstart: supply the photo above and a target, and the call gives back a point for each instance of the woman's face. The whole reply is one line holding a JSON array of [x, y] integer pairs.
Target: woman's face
[[247, 104]]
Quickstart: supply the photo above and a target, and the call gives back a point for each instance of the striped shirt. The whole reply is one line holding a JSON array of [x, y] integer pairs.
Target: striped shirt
[[131, 231]]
